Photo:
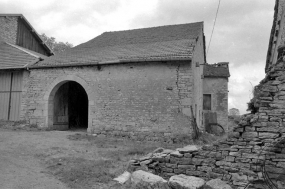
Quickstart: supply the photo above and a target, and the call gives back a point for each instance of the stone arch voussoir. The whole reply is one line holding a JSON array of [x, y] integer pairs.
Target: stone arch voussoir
[[54, 86]]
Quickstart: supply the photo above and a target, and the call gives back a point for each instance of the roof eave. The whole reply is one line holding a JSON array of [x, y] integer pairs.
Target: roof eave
[[13, 68], [37, 35], [22, 49], [111, 62]]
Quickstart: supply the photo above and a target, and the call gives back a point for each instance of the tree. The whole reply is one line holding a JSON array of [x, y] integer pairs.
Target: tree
[[55, 46], [234, 112]]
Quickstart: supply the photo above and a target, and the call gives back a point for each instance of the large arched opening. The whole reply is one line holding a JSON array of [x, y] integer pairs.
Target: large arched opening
[[70, 107], [68, 103]]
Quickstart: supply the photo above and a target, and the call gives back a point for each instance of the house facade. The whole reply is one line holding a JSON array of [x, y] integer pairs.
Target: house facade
[[137, 83]]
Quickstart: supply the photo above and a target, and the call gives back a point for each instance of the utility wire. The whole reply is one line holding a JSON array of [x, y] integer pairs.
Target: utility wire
[[214, 26]]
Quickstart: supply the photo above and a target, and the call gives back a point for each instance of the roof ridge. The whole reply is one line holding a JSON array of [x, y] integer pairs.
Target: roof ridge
[[24, 50], [192, 23], [108, 46], [10, 14]]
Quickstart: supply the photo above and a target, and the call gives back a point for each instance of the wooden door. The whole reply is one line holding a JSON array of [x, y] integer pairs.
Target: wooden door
[[10, 95], [5, 82], [61, 109]]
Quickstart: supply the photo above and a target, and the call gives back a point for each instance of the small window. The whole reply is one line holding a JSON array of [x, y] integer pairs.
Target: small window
[[207, 102]]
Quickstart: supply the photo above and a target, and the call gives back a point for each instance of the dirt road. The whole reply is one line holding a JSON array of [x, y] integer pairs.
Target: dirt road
[[19, 166]]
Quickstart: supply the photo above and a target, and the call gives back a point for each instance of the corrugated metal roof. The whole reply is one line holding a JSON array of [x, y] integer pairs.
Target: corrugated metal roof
[[16, 57], [174, 42]]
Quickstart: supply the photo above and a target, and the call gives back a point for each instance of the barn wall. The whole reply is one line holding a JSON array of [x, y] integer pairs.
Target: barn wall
[[26, 39], [138, 100], [8, 29], [14, 30], [25, 84]]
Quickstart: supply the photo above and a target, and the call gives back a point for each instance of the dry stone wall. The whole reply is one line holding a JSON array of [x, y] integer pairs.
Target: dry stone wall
[[253, 156]]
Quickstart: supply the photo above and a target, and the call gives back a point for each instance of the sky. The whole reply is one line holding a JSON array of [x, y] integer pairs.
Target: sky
[[241, 34]]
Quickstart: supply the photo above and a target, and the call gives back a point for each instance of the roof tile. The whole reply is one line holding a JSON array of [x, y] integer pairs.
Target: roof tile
[[15, 57], [157, 43]]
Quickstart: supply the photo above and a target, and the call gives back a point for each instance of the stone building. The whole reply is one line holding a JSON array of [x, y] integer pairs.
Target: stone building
[[277, 36], [137, 83], [253, 155], [20, 47]]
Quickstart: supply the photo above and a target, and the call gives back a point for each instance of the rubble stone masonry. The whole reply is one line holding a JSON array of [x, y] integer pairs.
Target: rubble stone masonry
[[253, 156], [8, 29], [144, 101]]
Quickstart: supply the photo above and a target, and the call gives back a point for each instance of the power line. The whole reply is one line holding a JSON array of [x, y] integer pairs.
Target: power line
[[214, 26]]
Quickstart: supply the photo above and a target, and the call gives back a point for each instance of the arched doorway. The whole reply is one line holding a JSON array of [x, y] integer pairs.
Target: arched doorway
[[70, 106]]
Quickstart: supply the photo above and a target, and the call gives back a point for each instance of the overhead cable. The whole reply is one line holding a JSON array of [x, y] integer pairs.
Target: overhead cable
[[214, 26]]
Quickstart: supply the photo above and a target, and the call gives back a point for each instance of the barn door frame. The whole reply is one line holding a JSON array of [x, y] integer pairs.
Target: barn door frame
[[54, 86]]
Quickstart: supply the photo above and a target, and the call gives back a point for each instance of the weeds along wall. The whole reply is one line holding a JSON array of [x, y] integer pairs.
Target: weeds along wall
[[144, 101], [253, 156]]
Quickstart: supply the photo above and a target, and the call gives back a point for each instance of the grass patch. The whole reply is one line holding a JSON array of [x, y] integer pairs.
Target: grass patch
[[114, 155], [111, 160], [136, 151], [80, 173]]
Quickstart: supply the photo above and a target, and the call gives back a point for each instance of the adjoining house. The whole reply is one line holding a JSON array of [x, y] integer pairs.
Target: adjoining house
[[215, 94], [20, 47], [137, 83]]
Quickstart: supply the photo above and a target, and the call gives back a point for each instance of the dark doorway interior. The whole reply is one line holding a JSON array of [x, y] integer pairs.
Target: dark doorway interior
[[70, 107]]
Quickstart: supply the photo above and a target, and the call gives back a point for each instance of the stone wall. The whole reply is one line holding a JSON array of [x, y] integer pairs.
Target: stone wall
[[9, 28], [252, 156], [218, 88], [145, 101], [241, 161], [198, 62], [25, 86]]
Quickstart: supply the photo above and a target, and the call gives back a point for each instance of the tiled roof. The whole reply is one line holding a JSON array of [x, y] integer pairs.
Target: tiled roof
[[16, 57], [216, 70], [174, 42]]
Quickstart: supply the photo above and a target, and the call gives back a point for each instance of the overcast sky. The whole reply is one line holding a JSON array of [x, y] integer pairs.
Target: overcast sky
[[241, 34]]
